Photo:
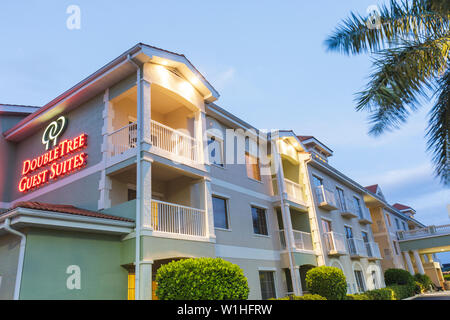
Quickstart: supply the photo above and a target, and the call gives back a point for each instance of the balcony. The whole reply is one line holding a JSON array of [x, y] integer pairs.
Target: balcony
[[294, 190], [175, 219], [167, 141], [424, 232], [335, 243], [348, 210], [356, 248], [302, 240], [373, 251], [326, 198]]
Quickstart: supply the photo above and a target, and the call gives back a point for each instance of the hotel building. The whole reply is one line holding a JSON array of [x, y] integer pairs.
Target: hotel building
[[136, 166]]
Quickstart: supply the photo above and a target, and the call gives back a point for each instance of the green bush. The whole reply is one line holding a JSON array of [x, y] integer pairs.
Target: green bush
[[201, 279], [328, 282], [424, 280], [402, 291], [304, 297], [398, 276], [447, 277], [358, 296], [380, 294], [418, 288]]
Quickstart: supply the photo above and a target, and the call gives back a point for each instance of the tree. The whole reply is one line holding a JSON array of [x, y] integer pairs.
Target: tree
[[410, 44]]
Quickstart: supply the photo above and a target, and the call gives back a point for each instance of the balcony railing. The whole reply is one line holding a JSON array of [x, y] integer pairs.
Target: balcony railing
[[326, 198], [173, 141], [293, 189], [335, 243], [347, 209], [176, 219], [122, 139], [302, 240], [424, 232], [356, 247], [373, 251]]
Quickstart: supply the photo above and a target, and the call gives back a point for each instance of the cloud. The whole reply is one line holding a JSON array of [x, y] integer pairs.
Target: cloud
[[440, 198]]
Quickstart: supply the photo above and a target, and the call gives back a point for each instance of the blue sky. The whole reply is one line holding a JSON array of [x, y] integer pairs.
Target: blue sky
[[266, 58]]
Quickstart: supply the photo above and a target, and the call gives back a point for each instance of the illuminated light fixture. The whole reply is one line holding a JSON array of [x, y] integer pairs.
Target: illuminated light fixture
[[195, 81], [164, 63]]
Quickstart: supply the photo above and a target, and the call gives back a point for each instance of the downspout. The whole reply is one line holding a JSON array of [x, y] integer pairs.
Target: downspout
[[23, 239], [138, 182], [281, 191]]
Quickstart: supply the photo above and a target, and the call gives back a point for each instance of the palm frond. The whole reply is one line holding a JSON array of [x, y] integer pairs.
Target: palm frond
[[438, 130], [400, 20], [400, 77]]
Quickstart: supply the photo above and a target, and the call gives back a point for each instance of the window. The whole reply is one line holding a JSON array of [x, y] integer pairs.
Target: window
[[326, 226], [397, 223], [374, 279], [360, 281], [287, 275], [357, 204], [259, 221], [341, 199], [404, 226], [220, 212], [131, 194], [215, 149], [388, 219], [267, 281], [348, 232], [252, 165], [395, 247], [365, 236], [317, 181], [350, 241]]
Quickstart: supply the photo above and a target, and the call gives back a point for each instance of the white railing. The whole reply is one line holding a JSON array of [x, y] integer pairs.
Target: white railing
[[173, 141], [356, 247], [424, 232], [335, 242], [373, 251], [174, 218], [294, 190], [325, 195], [122, 139], [302, 240]]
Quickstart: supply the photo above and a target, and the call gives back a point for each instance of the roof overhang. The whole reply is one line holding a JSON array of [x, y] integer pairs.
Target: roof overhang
[[118, 69], [13, 109], [23, 217], [319, 145]]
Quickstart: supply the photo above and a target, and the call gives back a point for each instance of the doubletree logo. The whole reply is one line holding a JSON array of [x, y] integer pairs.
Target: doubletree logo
[[53, 131]]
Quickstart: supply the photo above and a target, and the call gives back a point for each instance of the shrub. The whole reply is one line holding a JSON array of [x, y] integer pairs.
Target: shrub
[[358, 296], [304, 297], [424, 280], [398, 276], [447, 277], [402, 291], [201, 279], [418, 288], [309, 297], [328, 282], [380, 294]]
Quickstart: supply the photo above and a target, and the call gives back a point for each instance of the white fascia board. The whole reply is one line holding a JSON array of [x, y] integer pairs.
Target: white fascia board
[[68, 221]]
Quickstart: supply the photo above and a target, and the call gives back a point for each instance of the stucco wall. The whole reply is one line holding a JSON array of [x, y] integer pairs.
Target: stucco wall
[[9, 257], [50, 252]]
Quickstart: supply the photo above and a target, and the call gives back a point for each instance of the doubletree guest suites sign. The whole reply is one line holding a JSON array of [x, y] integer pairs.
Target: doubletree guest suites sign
[[59, 159]]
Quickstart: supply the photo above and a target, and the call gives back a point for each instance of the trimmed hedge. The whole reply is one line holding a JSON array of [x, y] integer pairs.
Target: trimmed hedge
[[380, 294], [398, 276], [201, 279], [402, 291], [358, 296], [424, 280], [328, 282], [304, 297]]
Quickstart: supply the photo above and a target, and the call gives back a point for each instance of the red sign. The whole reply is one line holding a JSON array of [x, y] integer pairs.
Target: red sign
[[63, 151]]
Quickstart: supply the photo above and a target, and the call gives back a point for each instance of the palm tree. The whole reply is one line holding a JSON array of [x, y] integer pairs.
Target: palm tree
[[409, 41]]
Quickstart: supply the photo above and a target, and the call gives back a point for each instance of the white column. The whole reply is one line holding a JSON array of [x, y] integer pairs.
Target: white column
[[145, 285], [146, 193], [408, 262], [208, 207], [430, 257], [104, 185], [145, 112], [419, 264]]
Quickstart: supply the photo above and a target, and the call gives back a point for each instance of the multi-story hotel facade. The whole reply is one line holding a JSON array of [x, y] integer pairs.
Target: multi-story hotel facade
[[136, 166]]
